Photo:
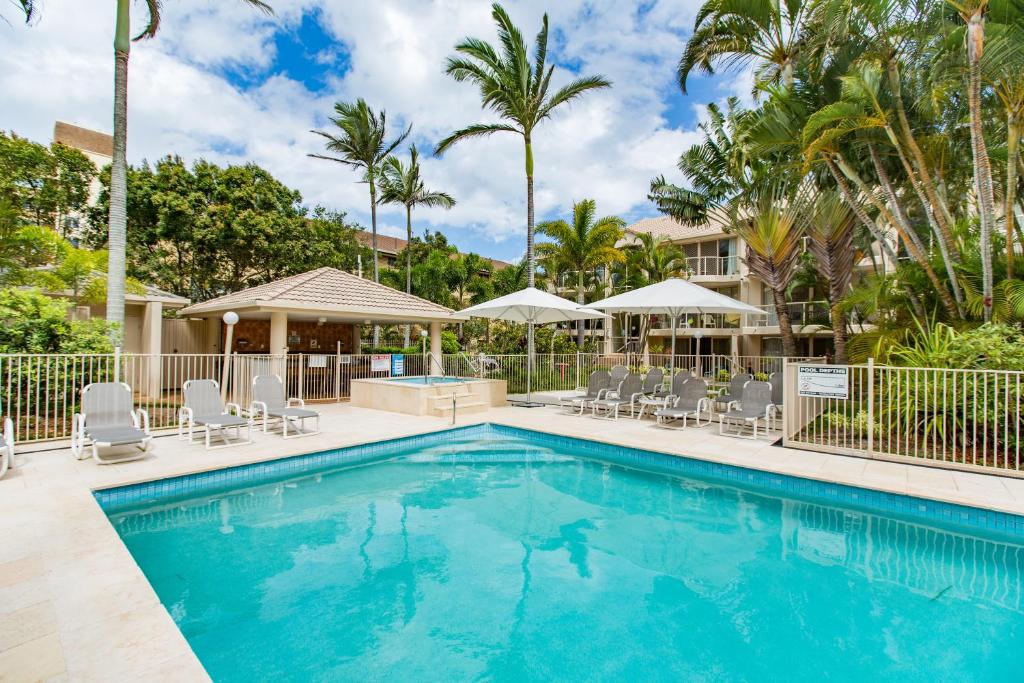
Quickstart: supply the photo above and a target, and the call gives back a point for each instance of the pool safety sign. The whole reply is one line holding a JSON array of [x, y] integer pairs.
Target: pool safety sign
[[823, 381], [397, 365], [380, 363]]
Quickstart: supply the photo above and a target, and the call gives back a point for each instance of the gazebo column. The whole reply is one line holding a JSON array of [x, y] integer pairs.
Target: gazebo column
[[435, 349], [279, 342], [152, 321]]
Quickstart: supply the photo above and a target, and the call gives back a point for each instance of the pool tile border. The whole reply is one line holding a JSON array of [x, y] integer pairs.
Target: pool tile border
[[869, 500]]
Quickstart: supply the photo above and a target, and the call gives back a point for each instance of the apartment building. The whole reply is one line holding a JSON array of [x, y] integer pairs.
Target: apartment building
[[715, 260], [99, 149]]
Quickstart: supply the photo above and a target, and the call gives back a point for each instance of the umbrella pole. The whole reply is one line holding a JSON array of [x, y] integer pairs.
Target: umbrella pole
[[672, 351], [529, 362]]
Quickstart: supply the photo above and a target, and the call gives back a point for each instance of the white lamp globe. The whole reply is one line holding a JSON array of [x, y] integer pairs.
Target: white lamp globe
[[230, 318]]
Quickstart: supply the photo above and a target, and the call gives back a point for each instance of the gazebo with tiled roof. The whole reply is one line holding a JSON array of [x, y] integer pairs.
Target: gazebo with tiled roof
[[319, 311]]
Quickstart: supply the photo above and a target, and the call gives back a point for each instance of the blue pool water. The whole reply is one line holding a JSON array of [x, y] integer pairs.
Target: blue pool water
[[496, 554], [427, 380]]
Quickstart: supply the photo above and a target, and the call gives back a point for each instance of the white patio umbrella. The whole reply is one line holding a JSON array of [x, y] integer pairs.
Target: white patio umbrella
[[533, 307], [674, 298]]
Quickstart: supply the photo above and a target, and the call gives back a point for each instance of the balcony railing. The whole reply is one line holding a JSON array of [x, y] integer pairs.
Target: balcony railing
[[713, 265], [705, 321], [800, 313]]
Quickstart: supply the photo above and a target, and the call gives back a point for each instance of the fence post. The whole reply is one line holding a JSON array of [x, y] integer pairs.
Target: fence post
[[578, 369], [787, 401], [117, 363], [337, 373], [871, 406], [302, 374]]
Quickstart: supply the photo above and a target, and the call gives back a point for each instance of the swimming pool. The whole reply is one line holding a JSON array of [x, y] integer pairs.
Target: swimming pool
[[430, 380], [495, 553]]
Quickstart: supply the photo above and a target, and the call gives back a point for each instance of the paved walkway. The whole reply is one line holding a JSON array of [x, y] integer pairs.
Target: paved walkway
[[75, 606]]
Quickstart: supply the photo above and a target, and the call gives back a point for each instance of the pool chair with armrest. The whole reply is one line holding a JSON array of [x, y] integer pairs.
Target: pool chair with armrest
[[6, 445], [756, 404], [734, 392], [204, 408], [107, 420], [615, 377], [269, 402], [626, 396], [690, 399], [657, 399], [579, 402]]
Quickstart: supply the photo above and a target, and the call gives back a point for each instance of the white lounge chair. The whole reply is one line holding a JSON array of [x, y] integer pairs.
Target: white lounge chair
[[627, 395], [653, 390], [755, 405], [689, 399], [269, 402], [616, 375], [735, 390], [596, 383], [108, 419], [204, 408], [6, 445]]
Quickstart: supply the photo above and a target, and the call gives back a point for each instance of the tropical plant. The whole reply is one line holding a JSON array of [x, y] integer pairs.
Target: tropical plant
[[517, 90], [649, 260], [581, 247], [118, 219], [741, 32], [402, 184], [771, 226], [361, 143], [831, 226]]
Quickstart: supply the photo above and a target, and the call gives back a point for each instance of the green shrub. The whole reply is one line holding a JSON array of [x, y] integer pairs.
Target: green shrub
[[35, 323]]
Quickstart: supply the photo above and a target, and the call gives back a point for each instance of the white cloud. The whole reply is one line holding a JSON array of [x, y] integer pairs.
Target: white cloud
[[607, 145]]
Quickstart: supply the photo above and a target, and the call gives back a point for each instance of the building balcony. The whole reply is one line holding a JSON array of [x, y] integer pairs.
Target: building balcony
[[713, 267], [801, 313]]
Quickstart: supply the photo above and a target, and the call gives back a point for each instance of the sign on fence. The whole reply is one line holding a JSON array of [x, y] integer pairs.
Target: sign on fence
[[397, 365], [823, 381], [380, 363], [318, 361]]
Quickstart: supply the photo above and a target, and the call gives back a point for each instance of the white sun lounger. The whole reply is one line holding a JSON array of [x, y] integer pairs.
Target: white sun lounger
[[269, 402], [204, 408], [107, 419]]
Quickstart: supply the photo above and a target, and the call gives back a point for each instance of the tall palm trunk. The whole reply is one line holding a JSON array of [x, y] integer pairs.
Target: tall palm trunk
[[1013, 132], [118, 218], [408, 264], [785, 324], [529, 236], [373, 242], [943, 218], [580, 299], [982, 168]]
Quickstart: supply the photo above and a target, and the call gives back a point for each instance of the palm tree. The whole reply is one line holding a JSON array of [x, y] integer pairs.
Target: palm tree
[[118, 220], [582, 247], [517, 90], [973, 13], [401, 184], [360, 143], [831, 227], [650, 260], [738, 32], [771, 227]]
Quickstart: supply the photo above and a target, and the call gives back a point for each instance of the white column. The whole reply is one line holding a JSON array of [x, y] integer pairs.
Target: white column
[[435, 348], [152, 320], [279, 342]]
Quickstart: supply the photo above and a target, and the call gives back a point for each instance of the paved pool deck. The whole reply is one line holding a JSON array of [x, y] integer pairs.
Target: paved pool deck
[[74, 606]]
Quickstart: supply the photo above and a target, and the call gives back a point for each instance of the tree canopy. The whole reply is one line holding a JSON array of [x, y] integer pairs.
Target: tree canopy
[[206, 230]]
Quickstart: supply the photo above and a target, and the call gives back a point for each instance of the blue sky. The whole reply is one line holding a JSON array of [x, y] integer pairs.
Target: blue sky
[[228, 84]]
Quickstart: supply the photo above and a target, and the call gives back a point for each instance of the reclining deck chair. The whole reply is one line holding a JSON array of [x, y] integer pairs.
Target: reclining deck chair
[[203, 407], [107, 419], [268, 401]]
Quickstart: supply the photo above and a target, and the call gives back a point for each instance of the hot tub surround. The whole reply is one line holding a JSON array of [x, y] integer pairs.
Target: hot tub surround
[[471, 396]]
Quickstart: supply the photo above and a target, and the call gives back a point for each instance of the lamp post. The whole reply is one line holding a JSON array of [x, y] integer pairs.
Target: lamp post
[[423, 350], [230, 318]]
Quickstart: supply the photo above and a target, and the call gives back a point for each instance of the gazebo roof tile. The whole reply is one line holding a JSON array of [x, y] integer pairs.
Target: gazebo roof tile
[[328, 287]]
